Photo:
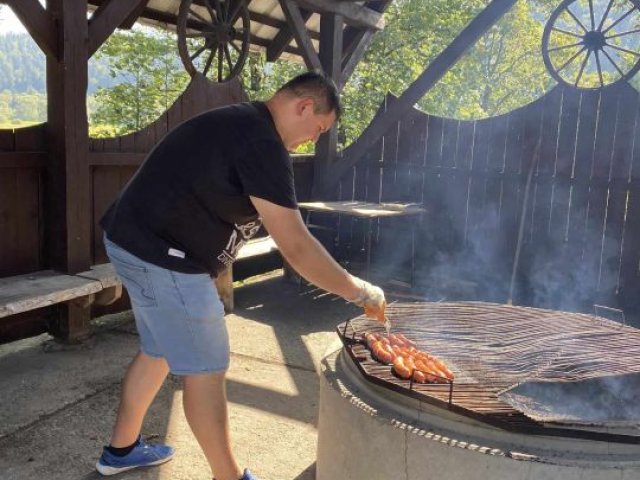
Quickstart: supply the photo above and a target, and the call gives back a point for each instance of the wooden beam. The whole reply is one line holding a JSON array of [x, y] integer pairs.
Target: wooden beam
[[356, 41], [354, 14], [282, 39], [23, 160], [68, 183], [133, 17], [38, 23], [331, 28], [109, 16], [355, 54], [434, 72], [301, 34]]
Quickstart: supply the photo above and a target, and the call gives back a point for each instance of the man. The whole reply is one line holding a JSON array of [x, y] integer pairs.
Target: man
[[200, 195]]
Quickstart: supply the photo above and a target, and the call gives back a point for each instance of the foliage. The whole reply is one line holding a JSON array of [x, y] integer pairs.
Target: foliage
[[17, 108], [23, 67], [141, 74], [503, 71], [150, 77]]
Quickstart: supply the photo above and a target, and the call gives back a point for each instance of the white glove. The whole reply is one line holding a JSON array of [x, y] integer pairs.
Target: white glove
[[371, 298]]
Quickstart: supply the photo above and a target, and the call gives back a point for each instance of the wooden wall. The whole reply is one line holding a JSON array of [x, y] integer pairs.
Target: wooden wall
[[581, 223], [23, 158]]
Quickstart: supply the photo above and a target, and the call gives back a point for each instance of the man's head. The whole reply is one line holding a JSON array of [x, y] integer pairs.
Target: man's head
[[304, 108]]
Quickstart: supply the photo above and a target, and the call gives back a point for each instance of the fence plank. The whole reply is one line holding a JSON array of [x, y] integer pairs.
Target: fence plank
[[9, 264], [27, 219], [7, 141]]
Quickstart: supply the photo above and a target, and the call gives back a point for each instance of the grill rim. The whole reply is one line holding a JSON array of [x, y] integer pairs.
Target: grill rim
[[521, 423]]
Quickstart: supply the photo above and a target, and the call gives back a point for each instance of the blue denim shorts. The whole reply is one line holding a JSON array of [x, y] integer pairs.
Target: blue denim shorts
[[179, 316]]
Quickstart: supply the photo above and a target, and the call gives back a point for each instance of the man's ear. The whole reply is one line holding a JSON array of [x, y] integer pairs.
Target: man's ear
[[305, 105]]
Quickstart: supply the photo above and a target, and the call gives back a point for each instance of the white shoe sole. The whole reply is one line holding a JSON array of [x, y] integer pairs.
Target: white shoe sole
[[107, 470]]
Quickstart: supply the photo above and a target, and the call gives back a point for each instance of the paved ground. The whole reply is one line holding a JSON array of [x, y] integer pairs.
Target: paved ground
[[58, 403]]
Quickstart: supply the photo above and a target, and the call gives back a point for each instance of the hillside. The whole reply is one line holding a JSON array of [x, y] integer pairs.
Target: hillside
[[22, 65]]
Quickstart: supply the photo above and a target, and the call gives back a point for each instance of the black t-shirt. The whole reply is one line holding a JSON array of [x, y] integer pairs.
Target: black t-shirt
[[187, 208]]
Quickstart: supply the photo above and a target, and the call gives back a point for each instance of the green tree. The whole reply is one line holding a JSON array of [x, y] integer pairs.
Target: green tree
[[6, 112], [502, 71], [150, 77]]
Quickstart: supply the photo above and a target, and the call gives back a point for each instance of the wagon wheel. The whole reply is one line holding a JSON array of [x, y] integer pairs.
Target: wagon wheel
[[593, 43], [213, 37]]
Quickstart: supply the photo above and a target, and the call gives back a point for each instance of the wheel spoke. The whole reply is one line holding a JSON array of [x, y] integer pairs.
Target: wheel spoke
[[227, 54], [623, 34], [619, 20], [236, 11], [613, 63], [198, 52], [209, 60], [584, 64], [219, 11], [235, 46], [577, 20], [599, 68], [196, 35], [570, 60], [220, 64], [605, 14], [592, 15], [577, 35], [623, 50], [554, 49], [200, 17], [214, 17]]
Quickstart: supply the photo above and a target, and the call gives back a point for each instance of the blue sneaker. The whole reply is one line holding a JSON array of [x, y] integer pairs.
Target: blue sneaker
[[142, 455], [247, 475]]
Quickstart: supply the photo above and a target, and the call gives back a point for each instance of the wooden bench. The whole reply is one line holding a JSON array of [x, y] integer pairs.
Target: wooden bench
[[22, 293], [98, 286], [253, 248]]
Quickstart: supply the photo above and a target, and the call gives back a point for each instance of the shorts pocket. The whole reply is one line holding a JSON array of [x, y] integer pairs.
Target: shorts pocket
[[136, 280]]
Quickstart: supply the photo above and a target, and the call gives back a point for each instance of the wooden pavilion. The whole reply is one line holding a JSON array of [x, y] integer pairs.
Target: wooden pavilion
[[538, 206]]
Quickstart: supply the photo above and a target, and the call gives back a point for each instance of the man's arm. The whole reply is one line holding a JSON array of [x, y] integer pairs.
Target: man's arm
[[305, 254]]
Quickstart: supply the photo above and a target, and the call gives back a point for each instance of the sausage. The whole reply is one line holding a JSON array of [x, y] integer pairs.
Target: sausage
[[396, 340], [425, 370], [401, 369], [382, 352], [440, 365], [419, 377], [408, 342]]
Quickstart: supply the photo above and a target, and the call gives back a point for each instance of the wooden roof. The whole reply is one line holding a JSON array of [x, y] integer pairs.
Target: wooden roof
[[274, 22]]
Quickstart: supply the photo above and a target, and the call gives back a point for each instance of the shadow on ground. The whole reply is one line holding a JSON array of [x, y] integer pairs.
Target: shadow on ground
[[59, 403]]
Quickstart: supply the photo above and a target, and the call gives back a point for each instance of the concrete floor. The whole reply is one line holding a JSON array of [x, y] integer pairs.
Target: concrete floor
[[58, 403]]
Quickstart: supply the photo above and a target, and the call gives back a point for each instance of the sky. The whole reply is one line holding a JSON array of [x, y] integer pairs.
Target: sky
[[9, 22]]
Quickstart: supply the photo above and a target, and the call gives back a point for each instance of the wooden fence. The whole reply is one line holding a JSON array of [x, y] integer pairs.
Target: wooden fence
[[560, 173]]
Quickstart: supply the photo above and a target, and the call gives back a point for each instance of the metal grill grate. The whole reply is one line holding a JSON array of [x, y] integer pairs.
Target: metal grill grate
[[493, 347]]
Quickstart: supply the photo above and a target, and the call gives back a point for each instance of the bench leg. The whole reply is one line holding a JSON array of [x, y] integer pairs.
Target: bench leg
[[72, 324], [224, 285], [108, 295]]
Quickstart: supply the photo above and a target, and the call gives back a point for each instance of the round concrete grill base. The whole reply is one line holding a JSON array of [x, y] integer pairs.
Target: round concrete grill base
[[368, 432]]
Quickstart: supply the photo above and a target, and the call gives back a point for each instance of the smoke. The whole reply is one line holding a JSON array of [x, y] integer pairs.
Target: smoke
[[605, 400]]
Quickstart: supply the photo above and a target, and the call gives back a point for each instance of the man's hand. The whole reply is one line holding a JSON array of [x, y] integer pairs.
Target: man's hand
[[371, 298]]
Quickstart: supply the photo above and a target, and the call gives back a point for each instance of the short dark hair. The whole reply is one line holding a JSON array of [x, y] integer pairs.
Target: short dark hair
[[319, 87]]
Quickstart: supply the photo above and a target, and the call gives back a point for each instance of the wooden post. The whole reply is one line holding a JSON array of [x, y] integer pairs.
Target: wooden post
[[331, 26], [68, 183]]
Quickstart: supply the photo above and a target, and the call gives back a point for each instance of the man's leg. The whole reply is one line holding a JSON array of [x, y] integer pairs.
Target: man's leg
[[141, 383], [205, 406]]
